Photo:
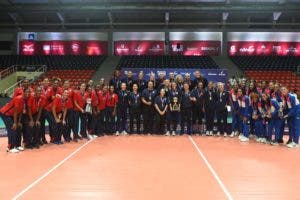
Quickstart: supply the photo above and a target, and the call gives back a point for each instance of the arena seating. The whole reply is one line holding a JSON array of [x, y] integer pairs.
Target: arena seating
[[286, 78], [53, 62], [204, 62], [74, 76], [266, 62]]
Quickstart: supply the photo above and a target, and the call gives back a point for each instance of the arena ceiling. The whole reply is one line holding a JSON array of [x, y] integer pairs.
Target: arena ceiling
[[146, 14]]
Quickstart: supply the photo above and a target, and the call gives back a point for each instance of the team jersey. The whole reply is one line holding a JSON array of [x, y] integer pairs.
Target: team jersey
[[16, 102], [35, 103], [111, 100]]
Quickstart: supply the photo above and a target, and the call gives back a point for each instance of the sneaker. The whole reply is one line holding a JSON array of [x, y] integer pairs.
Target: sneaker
[[258, 140], [90, 137], [117, 133], [288, 142], [94, 136], [236, 133], [267, 141], [291, 145], [244, 139], [167, 133], [173, 133], [14, 150], [274, 143], [263, 140], [211, 133], [207, 133], [124, 133], [218, 134], [20, 148], [232, 135], [225, 134], [240, 136]]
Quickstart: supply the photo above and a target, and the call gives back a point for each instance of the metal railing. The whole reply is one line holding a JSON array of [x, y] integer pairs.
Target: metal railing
[[6, 72], [28, 68], [10, 90]]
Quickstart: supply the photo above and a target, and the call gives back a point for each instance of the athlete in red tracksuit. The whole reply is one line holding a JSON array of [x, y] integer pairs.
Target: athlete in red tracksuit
[[79, 112], [57, 111], [111, 109], [11, 114], [99, 126], [91, 109], [70, 113], [35, 105]]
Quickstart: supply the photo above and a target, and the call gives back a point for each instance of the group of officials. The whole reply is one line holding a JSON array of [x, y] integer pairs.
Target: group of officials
[[170, 106]]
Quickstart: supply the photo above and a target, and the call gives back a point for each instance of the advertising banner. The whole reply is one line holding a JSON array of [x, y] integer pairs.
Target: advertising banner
[[195, 48], [30, 47], [215, 75], [263, 48], [122, 48]]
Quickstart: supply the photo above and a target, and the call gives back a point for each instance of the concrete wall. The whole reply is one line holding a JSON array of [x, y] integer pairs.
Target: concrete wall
[[11, 37]]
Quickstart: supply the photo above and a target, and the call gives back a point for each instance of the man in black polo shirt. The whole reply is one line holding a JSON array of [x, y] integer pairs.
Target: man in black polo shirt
[[148, 96]]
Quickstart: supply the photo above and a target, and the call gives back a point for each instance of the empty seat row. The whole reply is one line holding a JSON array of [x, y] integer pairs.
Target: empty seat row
[[53, 61], [166, 62], [266, 62]]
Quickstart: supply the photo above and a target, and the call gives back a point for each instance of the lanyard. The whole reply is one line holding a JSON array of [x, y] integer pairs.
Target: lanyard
[[221, 94], [151, 92], [24, 106], [62, 104], [162, 99], [136, 96]]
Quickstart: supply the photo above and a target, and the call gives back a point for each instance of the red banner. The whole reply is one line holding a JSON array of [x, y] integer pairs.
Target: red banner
[[122, 48], [264, 48], [195, 48], [63, 47]]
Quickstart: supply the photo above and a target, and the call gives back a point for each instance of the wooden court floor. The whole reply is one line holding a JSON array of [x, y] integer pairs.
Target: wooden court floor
[[150, 168]]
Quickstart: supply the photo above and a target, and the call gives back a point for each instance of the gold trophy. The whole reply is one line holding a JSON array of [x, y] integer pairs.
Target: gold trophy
[[175, 106]]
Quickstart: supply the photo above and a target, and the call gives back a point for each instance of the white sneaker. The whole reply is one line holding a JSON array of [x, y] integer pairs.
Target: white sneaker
[[173, 133], [20, 148], [95, 136], [240, 136], [236, 133], [167, 133], [257, 140], [225, 134], [211, 133], [274, 143], [207, 133], [124, 133], [232, 135], [14, 150], [218, 134], [117, 133], [291, 145], [90, 137], [244, 139], [263, 140]]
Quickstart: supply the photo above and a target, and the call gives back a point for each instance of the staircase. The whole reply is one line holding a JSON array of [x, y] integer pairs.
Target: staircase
[[106, 69], [225, 62], [13, 76]]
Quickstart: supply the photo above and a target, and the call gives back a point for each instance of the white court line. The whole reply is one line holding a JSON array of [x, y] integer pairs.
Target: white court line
[[225, 190], [17, 196]]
